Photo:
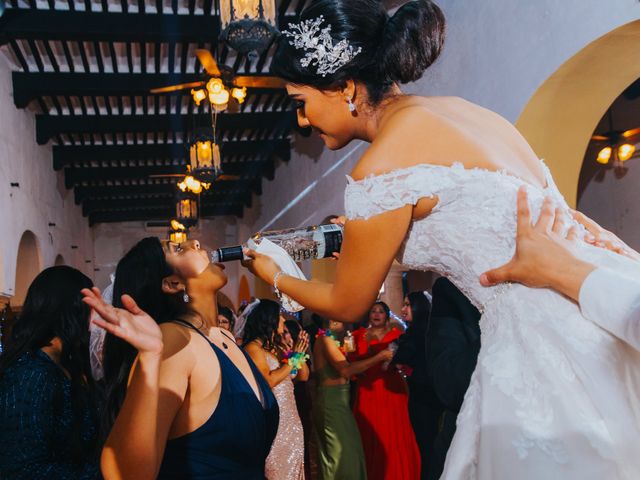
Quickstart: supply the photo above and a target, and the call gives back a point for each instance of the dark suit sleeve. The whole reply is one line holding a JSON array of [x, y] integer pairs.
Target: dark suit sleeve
[[452, 344], [407, 352]]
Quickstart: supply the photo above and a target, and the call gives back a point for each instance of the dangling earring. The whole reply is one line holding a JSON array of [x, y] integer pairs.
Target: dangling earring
[[352, 106], [185, 296]]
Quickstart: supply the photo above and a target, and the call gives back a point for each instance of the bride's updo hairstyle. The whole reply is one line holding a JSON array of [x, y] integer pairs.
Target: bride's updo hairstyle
[[395, 49]]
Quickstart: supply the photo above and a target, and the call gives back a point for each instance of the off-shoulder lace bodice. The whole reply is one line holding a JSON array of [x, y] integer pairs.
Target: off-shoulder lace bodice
[[471, 229]]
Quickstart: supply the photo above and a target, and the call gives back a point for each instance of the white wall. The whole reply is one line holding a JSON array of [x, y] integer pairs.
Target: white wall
[[41, 198]]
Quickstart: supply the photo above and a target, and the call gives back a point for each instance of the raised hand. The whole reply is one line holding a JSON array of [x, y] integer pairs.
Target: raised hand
[[302, 344], [131, 324]]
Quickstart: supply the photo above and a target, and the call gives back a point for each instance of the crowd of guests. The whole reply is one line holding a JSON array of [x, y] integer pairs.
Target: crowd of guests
[[373, 402]]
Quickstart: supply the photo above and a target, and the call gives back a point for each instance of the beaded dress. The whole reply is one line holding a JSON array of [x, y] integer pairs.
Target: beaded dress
[[286, 458]]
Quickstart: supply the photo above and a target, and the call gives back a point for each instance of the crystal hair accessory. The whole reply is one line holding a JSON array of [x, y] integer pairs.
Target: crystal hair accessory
[[319, 47]]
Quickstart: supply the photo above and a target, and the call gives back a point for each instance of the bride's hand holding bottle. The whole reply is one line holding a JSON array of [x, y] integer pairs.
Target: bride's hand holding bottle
[[262, 266]]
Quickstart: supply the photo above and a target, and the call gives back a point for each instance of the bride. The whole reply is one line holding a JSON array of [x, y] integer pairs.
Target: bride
[[553, 395]]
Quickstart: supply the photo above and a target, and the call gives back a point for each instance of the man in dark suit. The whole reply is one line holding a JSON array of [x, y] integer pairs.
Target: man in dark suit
[[453, 343]]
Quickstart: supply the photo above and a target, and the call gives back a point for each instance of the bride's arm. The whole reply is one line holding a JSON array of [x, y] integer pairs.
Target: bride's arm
[[368, 250]]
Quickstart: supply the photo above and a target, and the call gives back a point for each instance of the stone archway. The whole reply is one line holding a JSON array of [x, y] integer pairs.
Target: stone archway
[[561, 116], [28, 265], [59, 261]]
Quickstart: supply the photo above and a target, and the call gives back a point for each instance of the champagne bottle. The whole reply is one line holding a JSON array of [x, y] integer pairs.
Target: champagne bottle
[[306, 243], [349, 343]]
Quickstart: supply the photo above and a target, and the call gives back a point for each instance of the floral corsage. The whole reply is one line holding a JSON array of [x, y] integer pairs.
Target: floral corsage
[[295, 360]]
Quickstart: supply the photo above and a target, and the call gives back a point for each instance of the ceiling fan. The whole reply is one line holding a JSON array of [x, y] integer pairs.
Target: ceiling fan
[[192, 184], [224, 73], [618, 149]]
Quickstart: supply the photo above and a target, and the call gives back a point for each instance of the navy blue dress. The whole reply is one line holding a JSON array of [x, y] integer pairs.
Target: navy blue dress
[[234, 442], [36, 422]]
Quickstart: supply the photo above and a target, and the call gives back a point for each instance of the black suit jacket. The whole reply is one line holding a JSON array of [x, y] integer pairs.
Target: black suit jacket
[[453, 343]]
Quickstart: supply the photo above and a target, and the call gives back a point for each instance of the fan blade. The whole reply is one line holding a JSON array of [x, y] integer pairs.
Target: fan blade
[[175, 88], [228, 177], [259, 82], [208, 62], [631, 133], [620, 172], [600, 138]]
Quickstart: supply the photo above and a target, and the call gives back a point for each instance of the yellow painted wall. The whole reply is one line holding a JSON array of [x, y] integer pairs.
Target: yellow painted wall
[[560, 118]]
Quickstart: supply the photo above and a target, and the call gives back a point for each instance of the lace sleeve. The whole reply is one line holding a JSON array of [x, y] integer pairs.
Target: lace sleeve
[[374, 195]]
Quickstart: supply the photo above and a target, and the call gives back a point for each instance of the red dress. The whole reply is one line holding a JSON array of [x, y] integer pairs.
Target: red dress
[[381, 411]]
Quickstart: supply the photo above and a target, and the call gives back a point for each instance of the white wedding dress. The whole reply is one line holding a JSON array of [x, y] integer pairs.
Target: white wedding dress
[[553, 395]]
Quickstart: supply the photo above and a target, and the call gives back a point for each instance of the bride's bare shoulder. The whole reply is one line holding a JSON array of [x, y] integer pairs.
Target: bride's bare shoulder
[[414, 130]]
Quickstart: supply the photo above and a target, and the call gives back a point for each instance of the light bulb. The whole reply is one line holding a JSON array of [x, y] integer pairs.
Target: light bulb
[[176, 225], [239, 94], [626, 151], [198, 96], [604, 155], [220, 98], [215, 86]]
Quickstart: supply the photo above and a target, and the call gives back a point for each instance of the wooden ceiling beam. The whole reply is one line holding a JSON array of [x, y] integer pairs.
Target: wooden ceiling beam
[[59, 25], [93, 206], [162, 213], [28, 86], [67, 155], [48, 126], [77, 175]]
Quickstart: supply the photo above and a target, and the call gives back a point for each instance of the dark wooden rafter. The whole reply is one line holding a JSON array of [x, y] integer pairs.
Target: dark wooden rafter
[[29, 86], [89, 74], [32, 24], [64, 155], [48, 126], [105, 205], [83, 193], [78, 175], [161, 213]]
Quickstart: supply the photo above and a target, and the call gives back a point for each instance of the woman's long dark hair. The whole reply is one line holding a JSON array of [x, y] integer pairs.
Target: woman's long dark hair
[[395, 49], [138, 274], [53, 308], [262, 324], [420, 310], [228, 314]]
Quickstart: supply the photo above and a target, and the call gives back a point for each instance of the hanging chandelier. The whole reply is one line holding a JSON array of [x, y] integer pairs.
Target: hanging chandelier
[[218, 95], [248, 25], [193, 185], [177, 236], [186, 210], [204, 156]]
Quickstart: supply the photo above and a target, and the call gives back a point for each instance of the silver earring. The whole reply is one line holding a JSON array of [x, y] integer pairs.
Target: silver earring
[[185, 297], [352, 106]]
